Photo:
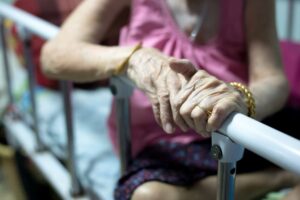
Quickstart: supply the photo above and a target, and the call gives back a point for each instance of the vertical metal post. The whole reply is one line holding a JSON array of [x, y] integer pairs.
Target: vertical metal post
[[122, 92], [26, 39], [290, 23], [123, 116], [226, 179], [6, 63], [227, 153], [67, 89]]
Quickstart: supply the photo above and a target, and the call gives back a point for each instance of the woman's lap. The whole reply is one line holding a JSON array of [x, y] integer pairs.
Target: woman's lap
[[171, 163], [184, 165]]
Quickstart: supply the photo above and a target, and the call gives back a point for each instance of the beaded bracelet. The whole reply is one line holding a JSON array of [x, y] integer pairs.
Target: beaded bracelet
[[122, 65], [250, 100]]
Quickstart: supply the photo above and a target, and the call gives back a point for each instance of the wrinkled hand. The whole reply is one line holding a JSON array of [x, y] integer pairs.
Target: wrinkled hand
[[205, 102], [181, 95], [152, 72]]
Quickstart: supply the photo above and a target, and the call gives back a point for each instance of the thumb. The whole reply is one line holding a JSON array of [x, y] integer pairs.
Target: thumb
[[184, 67]]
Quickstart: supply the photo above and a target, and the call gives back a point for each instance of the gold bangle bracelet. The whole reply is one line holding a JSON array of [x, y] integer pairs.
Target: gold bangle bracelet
[[249, 96], [122, 65]]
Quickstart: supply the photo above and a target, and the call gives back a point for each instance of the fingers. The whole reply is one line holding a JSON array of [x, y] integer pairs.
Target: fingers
[[150, 70], [174, 84], [165, 110], [185, 111], [210, 114], [200, 117], [220, 112], [155, 108], [230, 102], [197, 89], [163, 90], [208, 104], [166, 106], [182, 107], [182, 96]]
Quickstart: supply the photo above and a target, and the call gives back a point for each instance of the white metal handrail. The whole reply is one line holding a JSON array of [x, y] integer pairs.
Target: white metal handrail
[[265, 141], [36, 25]]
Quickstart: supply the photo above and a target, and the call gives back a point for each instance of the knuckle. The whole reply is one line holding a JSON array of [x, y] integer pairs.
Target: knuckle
[[212, 82], [207, 83], [220, 110], [176, 102], [163, 93], [196, 115], [223, 87], [201, 72], [236, 96], [154, 101], [183, 111]]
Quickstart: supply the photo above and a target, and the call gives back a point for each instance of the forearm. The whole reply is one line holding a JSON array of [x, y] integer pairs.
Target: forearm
[[74, 54], [270, 95], [81, 62], [267, 80]]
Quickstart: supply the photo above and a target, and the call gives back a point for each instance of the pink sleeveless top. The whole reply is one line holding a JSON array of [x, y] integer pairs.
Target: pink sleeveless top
[[152, 24]]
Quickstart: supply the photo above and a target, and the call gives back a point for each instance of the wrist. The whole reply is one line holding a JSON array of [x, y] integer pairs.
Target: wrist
[[248, 96], [121, 67]]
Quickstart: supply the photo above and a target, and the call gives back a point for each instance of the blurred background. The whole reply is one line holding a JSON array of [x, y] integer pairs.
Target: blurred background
[[19, 179]]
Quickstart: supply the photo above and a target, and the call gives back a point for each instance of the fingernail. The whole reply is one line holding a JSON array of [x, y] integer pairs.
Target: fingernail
[[168, 128]]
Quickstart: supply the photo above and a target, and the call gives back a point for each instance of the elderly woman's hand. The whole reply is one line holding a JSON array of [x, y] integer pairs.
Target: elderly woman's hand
[[205, 102], [152, 73]]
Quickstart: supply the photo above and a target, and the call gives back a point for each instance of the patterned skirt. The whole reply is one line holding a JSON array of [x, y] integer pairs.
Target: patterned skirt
[[172, 163]]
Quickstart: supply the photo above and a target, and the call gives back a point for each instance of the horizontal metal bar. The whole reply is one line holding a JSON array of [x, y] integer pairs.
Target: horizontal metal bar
[[269, 143], [37, 26]]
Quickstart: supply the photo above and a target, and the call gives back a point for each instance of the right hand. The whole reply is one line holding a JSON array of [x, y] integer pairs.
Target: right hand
[[152, 72]]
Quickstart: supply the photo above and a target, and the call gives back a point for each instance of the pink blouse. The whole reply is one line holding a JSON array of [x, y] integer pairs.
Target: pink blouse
[[224, 57]]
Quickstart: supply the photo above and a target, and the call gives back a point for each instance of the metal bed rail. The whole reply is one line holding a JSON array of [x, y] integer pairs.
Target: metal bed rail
[[66, 184], [238, 131]]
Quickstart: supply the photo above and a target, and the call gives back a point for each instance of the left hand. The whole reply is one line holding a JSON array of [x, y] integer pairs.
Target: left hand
[[205, 102]]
